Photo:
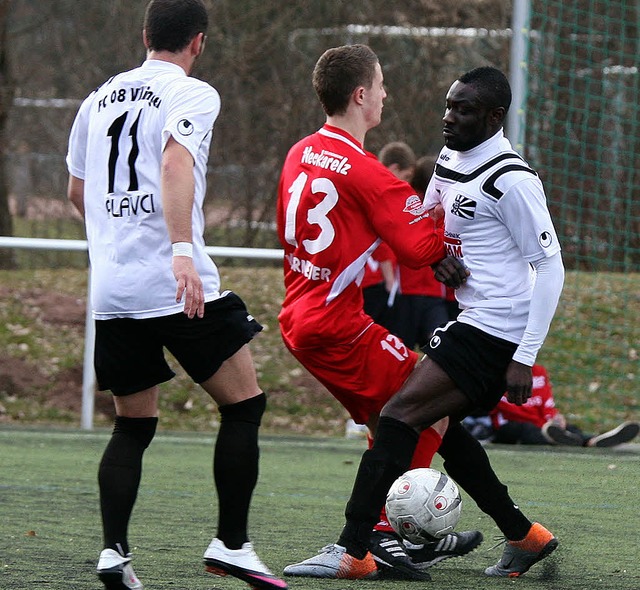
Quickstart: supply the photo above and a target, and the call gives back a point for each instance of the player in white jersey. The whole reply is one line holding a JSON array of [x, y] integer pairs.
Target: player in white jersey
[[137, 160], [497, 222], [486, 192]]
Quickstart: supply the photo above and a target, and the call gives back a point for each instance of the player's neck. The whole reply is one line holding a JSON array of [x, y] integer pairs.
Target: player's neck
[[353, 127], [180, 59]]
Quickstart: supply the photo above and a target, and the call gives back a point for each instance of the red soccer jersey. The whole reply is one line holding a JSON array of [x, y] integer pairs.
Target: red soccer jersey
[[540, 407], [336, 203]]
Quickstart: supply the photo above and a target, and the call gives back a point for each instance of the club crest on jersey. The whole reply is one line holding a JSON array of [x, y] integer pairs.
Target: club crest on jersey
[[545, 239], [463, 207], [185, 127], [415, 206]]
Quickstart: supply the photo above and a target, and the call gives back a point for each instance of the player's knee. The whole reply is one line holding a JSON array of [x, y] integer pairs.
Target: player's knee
[[141, 429], [248, 410]]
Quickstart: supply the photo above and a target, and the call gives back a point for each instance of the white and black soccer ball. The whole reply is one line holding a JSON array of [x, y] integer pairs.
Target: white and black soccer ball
[[423, 505]]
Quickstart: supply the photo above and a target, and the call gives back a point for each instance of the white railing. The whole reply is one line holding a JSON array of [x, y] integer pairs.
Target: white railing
[[88, 375]]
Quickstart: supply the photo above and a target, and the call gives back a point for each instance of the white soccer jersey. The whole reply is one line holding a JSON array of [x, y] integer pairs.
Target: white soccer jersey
[[116, 146], [496, 223]]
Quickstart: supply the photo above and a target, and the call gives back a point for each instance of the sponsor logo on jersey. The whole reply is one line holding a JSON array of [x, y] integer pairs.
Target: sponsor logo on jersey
[[545, 239], [185, 127], [435, 341], [415, 206], [444, 157], [463, 207], [326, 160], [453, 244]]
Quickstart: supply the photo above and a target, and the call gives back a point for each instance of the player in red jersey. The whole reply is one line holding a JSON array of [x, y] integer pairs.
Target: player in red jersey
[[538, 421], [336, 204]]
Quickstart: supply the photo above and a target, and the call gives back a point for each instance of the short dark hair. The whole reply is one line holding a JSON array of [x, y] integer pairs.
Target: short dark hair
[[423, 173], [399, 153], [492, 85], [170, 25], [339, 71]]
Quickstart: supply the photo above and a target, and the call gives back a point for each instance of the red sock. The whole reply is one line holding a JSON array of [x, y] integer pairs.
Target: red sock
[[428, 445]]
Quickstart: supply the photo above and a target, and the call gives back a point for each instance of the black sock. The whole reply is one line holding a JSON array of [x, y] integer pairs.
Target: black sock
[[119, 477], [380, 466], [466, 461], [235, 467]]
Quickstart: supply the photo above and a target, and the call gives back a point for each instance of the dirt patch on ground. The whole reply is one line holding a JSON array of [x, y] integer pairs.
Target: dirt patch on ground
[[24, 380], [42, 323]]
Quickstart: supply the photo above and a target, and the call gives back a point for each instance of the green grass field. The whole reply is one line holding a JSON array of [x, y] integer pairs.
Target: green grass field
[[50, 530]]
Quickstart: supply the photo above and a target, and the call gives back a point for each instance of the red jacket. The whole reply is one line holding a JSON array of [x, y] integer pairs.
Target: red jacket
[[540, 407]]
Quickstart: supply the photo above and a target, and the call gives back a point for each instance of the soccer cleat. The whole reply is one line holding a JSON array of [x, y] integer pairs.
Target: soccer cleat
[[115, 571], [392, 558], [556, 435], [452, 545], [626, 432], [519, 556], [333, 561], [243, 564]]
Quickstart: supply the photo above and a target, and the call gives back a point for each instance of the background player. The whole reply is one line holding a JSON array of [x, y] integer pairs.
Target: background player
[[380, 283], [137, 160], [539, 422]]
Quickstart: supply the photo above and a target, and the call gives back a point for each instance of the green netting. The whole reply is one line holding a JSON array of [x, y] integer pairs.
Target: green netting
[[583, 135]]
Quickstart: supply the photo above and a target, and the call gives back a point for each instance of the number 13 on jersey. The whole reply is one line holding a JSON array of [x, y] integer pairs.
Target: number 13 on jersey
[[315, 215]]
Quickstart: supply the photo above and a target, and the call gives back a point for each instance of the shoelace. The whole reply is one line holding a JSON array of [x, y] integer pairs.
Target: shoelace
[[331, 548], [502, 540]]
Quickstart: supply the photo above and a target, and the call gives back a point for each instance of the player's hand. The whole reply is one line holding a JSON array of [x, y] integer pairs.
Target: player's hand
[[560, 420], [437, 213], [189, 286], [451, 272], [519, 383]]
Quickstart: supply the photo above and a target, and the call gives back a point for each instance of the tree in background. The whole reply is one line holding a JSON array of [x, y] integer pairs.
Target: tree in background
[[7, 90]]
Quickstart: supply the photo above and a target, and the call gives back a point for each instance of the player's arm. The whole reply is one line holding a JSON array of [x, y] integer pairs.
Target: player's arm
[[76, 157], [450, 271], [544, 300], [178, 185], [75, 193], [525, 213], [399, 218], [388, 274]]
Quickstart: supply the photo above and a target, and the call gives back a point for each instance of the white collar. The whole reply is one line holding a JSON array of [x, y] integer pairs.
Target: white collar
[[495, 144]]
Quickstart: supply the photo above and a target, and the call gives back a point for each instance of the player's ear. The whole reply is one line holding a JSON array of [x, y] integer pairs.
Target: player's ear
[[198, 44], [497, 116], [358, 95], [144, 38]]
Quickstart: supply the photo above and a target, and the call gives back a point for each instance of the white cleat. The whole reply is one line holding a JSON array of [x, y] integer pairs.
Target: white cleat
[[115, 571], [243, 564]]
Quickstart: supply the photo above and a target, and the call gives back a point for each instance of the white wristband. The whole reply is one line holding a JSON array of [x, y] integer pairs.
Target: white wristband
[[182, 249]]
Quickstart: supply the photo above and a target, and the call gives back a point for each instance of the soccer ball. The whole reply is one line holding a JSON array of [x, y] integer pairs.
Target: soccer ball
[[423, 505]]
